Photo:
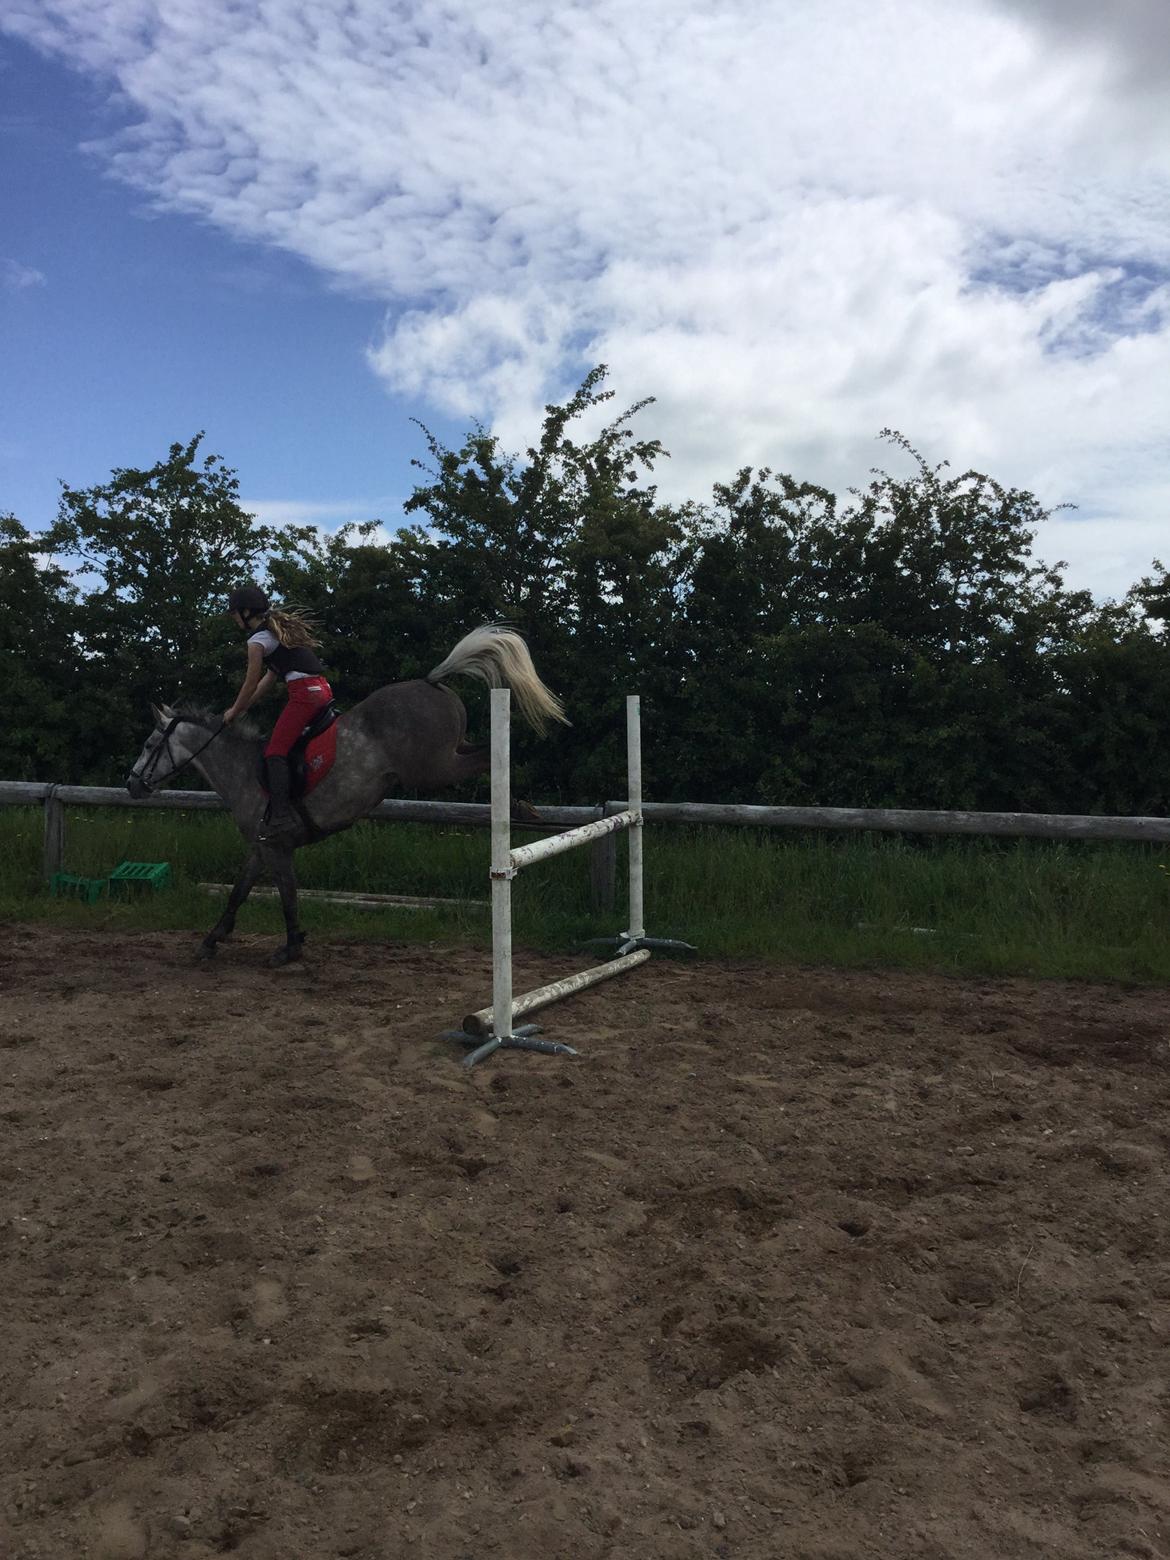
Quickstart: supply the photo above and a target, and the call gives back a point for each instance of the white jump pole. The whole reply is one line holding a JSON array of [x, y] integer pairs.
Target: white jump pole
[[501, 864], [634, 804], [483, 1022]]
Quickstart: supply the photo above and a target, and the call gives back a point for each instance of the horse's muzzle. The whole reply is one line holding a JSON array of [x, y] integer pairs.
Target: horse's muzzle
[[137, 787]]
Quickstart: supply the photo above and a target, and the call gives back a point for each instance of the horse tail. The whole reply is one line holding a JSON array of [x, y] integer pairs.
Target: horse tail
[[499, 657]]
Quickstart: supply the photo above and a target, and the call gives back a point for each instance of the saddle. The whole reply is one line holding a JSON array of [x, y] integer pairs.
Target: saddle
[[309, 760]]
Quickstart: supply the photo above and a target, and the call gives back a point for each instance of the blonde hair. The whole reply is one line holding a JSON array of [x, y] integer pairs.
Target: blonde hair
[[291, 627]]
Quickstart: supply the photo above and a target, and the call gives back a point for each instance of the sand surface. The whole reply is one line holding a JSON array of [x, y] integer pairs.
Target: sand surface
[[788, 1263]]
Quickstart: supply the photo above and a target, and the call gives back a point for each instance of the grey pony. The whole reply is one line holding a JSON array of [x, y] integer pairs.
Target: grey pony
[[409, 734]]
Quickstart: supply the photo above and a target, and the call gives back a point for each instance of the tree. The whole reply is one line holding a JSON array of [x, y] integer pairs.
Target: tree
[[368, 599], [569, 545], [894, 650], [1150, 597], [157, 551], [897, 646], [38, 645]]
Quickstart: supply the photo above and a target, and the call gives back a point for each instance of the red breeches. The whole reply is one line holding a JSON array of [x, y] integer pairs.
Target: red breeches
[[306, 695]]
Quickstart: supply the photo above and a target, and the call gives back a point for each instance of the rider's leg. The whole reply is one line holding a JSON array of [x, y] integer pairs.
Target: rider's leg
[[281, 819], [305, 697]]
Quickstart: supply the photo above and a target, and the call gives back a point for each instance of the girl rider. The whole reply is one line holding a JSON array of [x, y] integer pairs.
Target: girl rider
[[280, 647]]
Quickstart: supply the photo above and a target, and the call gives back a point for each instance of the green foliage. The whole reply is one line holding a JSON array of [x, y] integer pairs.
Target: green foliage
[[571, 547], [38, 647], [367, 598], [156, 552], [1150, 597], [894, 646]]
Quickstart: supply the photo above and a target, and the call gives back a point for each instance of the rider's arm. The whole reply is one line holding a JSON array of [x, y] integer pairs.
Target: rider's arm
[[262, 687], [250, 685]]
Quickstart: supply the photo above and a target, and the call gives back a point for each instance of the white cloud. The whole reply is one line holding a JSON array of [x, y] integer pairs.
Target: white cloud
[[328, 513], [1107, 556], [17, 277], [792, 224]]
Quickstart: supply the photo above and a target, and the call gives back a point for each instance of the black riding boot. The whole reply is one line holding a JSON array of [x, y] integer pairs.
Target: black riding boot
[[281, 818]]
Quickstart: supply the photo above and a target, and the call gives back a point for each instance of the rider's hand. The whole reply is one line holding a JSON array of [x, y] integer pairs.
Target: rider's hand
[[228, 717]]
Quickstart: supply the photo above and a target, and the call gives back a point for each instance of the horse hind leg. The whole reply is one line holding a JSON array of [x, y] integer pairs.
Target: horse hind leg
[[477, 761]]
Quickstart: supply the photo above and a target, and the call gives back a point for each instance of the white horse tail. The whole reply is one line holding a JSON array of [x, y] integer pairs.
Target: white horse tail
[[499, 657]]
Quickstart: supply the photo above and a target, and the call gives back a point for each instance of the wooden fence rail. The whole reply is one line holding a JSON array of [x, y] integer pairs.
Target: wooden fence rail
[[1048, 826], [899, 820], [56, 798]]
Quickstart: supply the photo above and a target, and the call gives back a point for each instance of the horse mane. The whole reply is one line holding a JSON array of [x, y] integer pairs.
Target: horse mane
[[243, 729]]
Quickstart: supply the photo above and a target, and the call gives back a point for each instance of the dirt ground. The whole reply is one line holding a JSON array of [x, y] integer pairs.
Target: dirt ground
[[787, 1263]]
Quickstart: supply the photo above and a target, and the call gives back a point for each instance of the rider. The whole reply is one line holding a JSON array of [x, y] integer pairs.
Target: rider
[[280, 647]]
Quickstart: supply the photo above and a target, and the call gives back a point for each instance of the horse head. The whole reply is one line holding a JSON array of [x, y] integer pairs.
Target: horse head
[[171, 746]]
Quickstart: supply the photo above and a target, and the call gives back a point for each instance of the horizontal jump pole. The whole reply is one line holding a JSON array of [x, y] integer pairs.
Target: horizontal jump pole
[[557, 844], [483, 1022]]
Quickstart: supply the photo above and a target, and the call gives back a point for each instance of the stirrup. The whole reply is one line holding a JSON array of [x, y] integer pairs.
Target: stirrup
[[273, 828]]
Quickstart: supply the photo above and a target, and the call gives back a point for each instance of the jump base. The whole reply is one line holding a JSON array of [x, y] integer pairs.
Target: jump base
[[624, 944], [519, 1040]]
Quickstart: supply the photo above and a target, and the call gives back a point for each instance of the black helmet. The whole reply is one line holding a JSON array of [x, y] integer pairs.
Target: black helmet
[[249, 601]]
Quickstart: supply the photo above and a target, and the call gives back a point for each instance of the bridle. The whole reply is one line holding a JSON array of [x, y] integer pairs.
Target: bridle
[[147, 776]]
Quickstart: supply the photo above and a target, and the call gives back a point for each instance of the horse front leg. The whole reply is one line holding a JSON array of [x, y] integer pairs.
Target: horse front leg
[[224, 926], [280, 863]]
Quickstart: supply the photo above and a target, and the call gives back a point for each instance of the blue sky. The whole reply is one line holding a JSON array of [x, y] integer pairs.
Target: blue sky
[[140, 328], [299, 225]]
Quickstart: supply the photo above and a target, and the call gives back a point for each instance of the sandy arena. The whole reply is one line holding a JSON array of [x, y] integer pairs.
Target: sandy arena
[[788, 1263]]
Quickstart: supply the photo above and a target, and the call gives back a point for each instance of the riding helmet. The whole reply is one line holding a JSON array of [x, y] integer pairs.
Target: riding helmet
[[249, 601]]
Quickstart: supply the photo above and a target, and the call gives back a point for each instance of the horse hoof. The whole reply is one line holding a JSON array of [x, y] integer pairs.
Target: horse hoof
[[207, 950], [284, 956]]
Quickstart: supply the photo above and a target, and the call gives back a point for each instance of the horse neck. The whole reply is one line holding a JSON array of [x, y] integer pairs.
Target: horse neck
[[230, 767]]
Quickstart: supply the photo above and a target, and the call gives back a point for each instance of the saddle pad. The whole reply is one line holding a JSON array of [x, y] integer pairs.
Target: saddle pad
[[315, 762]]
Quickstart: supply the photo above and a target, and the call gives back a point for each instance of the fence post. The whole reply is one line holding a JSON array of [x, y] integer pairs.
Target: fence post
[[54, 833], [603, 869]]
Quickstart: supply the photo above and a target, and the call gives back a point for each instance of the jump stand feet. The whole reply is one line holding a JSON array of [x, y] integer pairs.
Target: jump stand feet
[[519, 1040]]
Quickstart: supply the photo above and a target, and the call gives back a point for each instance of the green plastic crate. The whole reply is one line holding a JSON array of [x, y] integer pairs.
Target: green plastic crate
[[69, 886], [128, 876]]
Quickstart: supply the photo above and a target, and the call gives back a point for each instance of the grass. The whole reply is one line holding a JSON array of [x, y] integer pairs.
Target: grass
[[1081, 910]]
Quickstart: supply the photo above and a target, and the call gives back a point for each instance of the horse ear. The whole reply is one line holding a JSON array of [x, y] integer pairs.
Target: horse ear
[[163, 714]]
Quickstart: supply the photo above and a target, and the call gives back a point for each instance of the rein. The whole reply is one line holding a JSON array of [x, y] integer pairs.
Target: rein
[[147, 776]]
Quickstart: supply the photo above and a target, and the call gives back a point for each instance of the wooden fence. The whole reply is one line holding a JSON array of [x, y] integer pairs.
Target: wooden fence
[[1048, 826]]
